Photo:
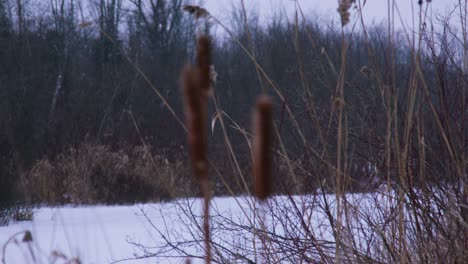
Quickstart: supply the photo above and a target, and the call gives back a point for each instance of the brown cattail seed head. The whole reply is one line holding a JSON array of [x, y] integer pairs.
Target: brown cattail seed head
[[204, 62], [262, 139], [196, 11], [27, 236], [195, 111], [343, 10]]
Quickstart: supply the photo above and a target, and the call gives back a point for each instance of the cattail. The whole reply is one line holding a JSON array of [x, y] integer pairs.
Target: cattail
[[27, 236], [196, 11], [262, 137], [204, 62], [195, 109], [343, 10], [195, 86]]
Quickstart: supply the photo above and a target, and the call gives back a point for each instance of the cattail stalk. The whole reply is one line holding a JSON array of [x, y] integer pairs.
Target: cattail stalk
[[262, 138], [195, 112], [196, 84]]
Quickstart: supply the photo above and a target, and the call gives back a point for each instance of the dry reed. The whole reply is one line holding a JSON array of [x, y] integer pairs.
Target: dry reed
[[401, 210]]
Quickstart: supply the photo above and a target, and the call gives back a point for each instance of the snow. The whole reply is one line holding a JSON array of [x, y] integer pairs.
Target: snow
[[111, 234], [98, 234], [106, 234]]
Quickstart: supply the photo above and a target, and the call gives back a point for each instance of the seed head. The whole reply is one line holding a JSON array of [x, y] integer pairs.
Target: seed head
[[204, 62], [262, 137], [196, 11], [195, 112], [343, 10]]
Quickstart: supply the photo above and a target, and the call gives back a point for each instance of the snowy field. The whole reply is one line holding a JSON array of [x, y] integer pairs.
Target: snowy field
[[109, 234], [93, 234], [97, 234]]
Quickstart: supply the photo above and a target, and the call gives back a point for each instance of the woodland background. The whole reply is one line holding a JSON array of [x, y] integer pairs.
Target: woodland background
[[80, 120]]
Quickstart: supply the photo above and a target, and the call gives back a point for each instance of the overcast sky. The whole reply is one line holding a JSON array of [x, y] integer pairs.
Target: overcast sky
[[373, 10]]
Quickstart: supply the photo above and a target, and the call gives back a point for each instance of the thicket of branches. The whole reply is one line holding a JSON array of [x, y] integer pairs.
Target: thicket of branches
[[107, 78]]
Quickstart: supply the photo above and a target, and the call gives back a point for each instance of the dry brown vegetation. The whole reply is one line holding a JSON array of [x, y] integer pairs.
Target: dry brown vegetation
[[408, 211], [95, 174], [368, 127]]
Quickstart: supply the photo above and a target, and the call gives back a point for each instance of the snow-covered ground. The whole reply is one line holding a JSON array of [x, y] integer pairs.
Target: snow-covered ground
[[93, 234], [98, 234], [109, 234]]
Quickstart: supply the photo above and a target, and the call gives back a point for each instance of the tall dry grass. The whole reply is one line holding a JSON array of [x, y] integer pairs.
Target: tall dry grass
[[412, 205], [411, 200]]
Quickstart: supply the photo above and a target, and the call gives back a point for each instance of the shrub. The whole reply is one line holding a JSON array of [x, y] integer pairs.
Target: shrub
[[15, 213], [96, 174]]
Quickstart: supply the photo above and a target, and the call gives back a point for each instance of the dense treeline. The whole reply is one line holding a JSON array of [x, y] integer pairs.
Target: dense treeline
[[65, 82]]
